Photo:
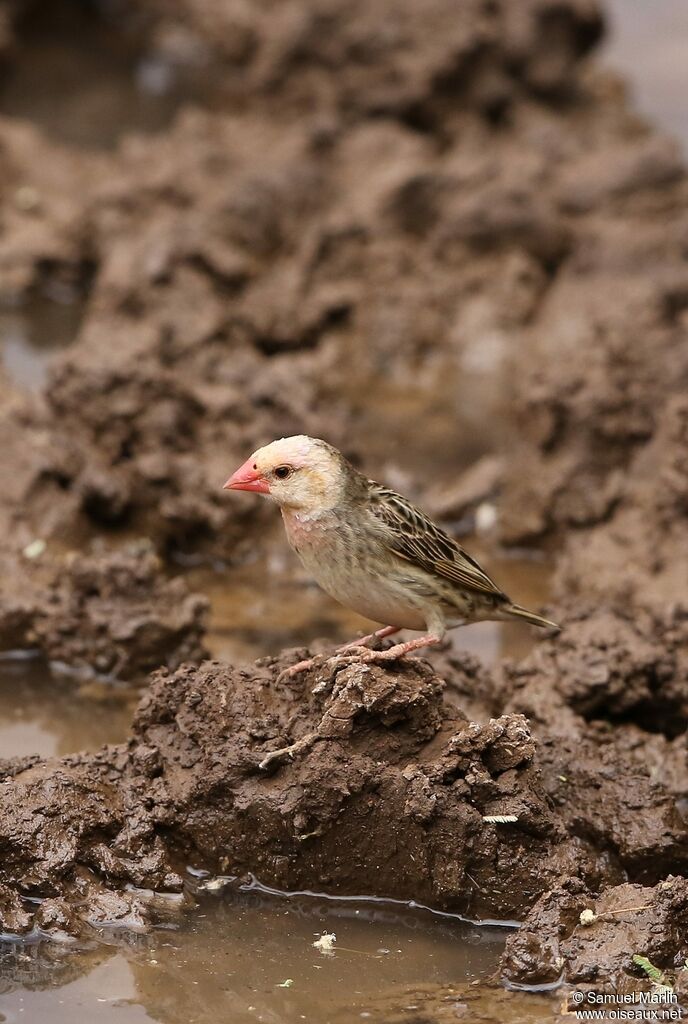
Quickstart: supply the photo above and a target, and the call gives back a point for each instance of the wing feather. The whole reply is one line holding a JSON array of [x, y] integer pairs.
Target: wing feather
[[414, 537]]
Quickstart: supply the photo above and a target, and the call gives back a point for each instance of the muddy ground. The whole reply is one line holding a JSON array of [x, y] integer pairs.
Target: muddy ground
[[442, 240]]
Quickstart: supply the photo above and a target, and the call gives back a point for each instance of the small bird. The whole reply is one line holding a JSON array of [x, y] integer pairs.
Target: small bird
[[371, 549]]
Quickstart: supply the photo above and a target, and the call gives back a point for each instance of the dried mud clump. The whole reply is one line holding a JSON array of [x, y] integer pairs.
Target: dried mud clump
[[606, 701], [601, 404], [609, 666], [636, 556]]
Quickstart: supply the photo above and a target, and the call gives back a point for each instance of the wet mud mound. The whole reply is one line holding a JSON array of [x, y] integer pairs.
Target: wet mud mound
[[460, 815], [597, 938], [397, 240], [383, 757], [114, 615]]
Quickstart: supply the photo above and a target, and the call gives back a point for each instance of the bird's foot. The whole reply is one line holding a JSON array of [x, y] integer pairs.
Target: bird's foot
[[353, 645], [399, 650], [288, 752], [379, 634]]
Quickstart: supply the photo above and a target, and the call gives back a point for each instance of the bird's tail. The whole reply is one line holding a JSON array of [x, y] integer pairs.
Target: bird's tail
[[514, 611]]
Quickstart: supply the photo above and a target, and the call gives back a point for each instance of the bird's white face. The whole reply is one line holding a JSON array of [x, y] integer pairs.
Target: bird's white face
[[300, 473]]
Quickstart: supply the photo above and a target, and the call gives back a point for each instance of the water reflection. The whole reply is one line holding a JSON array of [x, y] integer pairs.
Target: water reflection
[[31, 334], [53, 714], [245, 957], [83, 79]]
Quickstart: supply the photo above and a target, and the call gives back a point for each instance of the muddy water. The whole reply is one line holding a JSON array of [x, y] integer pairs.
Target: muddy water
[[248, 956], [33, 332], [49, 712], [85, 82], [435, 422]]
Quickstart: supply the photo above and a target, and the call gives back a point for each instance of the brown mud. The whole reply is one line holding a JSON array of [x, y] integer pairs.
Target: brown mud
[[443, 240]]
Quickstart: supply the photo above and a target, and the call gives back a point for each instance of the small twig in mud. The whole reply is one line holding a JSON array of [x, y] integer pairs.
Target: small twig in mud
[[362, 952], [626, 910], [588, 917], [309, 835], [215, 884], [326, 945], [288, 752]]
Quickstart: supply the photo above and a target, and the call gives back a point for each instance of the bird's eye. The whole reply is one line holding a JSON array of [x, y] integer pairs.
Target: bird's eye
[[282, 472]]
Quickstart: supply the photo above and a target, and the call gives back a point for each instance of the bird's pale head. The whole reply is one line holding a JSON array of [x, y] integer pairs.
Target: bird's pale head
[[300, 473]]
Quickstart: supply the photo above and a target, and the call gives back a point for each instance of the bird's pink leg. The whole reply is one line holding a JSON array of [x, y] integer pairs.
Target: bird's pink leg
[[399, 650], [379, 634], [301, 666], [294, 670]]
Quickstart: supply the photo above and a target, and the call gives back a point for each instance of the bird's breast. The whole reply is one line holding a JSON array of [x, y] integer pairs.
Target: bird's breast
[[352, 571]]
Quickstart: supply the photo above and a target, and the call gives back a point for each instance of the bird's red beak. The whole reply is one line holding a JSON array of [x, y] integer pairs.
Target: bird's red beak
[[247, 478]]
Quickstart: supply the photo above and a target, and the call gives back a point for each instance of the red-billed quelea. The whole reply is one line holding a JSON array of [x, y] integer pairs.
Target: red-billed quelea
[[371, 549]]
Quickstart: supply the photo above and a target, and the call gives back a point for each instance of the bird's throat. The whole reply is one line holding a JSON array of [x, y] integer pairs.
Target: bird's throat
[[305, 530]]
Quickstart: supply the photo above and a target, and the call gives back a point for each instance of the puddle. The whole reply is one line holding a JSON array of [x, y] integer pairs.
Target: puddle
[[84, 81], [269, 603], [247, 957], [437, 425], [527, 580], [647, 44], [33, 332], [48, 713]]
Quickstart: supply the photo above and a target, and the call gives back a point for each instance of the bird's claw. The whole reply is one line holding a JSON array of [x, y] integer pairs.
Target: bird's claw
[[367, 655], [303, 666], [295, 670], [356, 652]]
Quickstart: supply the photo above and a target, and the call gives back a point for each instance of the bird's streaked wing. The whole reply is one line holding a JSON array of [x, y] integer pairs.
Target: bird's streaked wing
[[413, 536]]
